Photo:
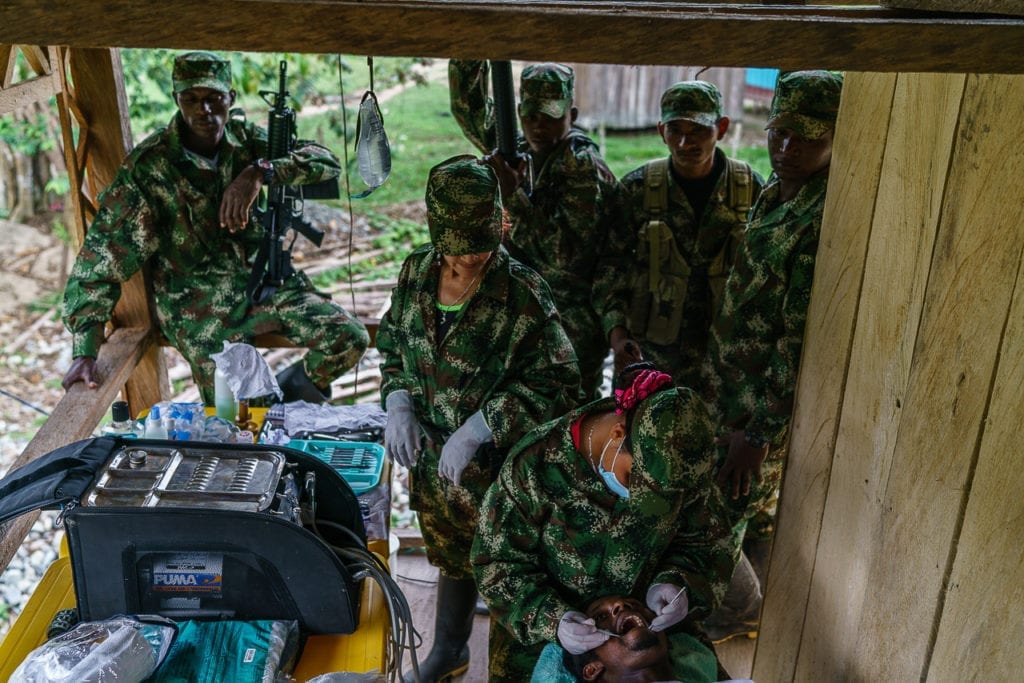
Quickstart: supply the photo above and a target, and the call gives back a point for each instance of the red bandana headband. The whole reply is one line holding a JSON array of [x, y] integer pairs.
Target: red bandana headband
[[647, 382]]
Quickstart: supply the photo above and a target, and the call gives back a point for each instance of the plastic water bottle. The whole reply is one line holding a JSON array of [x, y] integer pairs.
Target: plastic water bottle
[[121, 423], [224, 398], [155, 425]]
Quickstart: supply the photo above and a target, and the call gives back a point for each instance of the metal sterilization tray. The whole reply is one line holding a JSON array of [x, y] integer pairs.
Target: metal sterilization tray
[[168, 476]]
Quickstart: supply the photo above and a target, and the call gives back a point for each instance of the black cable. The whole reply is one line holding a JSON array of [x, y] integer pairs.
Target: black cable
[[348, 198], [24, 402]]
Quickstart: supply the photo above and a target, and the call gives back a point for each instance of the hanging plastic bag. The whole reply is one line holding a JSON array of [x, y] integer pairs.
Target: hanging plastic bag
[[373, 153]]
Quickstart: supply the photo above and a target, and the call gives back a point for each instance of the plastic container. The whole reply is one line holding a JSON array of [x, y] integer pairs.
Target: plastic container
[[155, 428], [224, 400], [358, 462]]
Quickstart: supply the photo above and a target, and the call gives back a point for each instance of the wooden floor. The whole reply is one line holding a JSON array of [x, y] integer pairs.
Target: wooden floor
[[418, 581]]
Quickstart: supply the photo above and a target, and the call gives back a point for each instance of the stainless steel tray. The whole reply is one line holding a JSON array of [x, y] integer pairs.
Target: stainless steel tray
[[166, 476]]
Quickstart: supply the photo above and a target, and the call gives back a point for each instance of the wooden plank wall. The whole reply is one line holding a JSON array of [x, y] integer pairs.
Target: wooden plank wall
[[629, 97], [898, 555]]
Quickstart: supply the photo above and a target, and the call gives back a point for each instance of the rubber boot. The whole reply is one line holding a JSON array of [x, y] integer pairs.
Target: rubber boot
[[297, 386], [453, 623], [740, 610]]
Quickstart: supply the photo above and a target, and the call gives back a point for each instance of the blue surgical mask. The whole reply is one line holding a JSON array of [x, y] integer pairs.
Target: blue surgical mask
[[613, 484]]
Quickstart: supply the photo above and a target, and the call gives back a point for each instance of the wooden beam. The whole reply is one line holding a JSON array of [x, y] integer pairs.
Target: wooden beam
[[839, 271], [6, 65], [24, 93], [102, 108], [708, 34], [946, 408], [76, 416]]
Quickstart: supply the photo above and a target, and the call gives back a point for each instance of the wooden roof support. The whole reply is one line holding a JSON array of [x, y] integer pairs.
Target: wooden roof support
[[857, 38], [93, 99]]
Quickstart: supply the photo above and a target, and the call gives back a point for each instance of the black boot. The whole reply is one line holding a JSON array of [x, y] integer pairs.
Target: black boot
[[453, 623], [740, 611], [297, 386]]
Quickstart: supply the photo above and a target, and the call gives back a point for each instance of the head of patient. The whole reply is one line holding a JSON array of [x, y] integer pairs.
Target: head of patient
[[637, 654]]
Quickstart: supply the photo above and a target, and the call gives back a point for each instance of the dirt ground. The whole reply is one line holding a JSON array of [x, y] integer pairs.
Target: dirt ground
[[34, 347]]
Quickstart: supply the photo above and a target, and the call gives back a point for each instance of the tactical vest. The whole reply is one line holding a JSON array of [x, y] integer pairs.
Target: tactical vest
[[658, 295]]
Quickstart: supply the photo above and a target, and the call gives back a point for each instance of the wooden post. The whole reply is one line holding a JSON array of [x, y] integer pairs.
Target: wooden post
[[97, 100]]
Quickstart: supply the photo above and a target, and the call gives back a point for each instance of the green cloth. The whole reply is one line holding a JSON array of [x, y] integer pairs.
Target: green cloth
[[229, 652], [566, 220], [162, 212], [506, 355]]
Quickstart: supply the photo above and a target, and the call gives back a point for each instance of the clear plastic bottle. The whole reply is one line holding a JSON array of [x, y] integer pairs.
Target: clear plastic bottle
[[224, 398], [155, 425], [121, 423]]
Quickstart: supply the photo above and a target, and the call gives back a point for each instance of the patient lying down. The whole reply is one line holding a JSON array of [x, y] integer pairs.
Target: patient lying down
[[634, 654]]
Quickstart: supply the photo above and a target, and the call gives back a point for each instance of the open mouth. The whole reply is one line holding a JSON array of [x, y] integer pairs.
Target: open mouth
[[628, 622]]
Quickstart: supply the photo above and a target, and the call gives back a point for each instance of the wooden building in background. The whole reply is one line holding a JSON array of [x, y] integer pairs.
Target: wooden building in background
[[898, 554]]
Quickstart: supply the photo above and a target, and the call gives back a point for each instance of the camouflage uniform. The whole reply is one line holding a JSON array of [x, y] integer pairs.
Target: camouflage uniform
[[708, 243], [554, 537], [754, 348], [567, 217], [162, 212], [506, 355]]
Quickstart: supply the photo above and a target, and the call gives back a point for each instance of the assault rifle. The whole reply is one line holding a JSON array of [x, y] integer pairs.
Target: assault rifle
[[283, 212], [505, 111]]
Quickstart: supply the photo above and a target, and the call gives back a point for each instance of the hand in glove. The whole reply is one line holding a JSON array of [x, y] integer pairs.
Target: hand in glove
[[402, 432], [578, 634], [669, 604], [462, 445]]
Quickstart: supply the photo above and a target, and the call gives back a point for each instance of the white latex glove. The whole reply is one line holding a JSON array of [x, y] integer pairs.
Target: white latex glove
[[402, 432], [669, 604], [578, 634], [462, 445]]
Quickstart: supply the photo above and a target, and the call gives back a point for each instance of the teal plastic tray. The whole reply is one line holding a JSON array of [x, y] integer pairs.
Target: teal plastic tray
[[358, 462]]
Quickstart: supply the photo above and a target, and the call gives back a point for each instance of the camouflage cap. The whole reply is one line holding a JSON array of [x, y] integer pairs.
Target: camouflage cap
[[201, 70], [671, 434], [806, 102], [699, 102], [463, 208], [546, 89]]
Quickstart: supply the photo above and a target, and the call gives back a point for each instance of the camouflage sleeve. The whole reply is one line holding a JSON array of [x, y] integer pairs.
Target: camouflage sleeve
[[613, 286], [506, 552], [120, 240], [774, 397], [545, 379], [307, 163], [613, 259], [389, 339], [473, 109], [702, 553]]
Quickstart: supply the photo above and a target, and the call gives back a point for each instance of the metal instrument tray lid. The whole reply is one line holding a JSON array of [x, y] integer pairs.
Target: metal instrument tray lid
[[179, 476]]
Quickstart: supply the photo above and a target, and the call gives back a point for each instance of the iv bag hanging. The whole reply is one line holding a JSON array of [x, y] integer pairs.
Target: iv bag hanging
[[373, 153]]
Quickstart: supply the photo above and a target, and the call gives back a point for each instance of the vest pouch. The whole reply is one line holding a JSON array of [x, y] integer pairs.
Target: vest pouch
[[664, 286], [666, 313], [639, 304]]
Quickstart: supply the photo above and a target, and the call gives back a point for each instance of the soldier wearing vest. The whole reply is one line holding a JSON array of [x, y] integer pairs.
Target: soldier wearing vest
[[564, 204], [687, 213]]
